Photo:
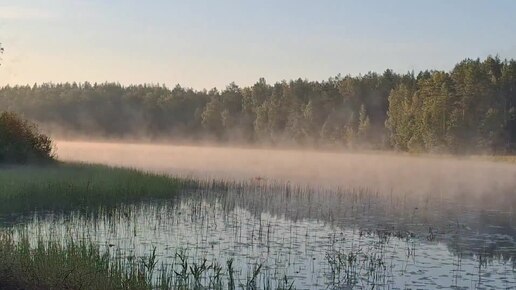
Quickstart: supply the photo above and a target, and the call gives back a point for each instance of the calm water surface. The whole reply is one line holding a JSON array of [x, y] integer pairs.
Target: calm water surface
[[308, 237]]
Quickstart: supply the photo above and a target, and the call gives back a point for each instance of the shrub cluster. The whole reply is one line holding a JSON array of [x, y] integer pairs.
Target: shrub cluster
[[21, 141]]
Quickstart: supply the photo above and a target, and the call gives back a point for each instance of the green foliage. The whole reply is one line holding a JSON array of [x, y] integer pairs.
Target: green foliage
[[53, 265], [20, 141], [401, 118], [465, 110], [364, 126], [266, 113], [471, 108], [212, 117]]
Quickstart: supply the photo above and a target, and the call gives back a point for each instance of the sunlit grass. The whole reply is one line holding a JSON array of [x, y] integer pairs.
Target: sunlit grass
[[71, 186]]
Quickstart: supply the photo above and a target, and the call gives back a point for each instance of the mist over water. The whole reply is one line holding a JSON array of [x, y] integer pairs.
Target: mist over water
[[328, 220], [491, 183]]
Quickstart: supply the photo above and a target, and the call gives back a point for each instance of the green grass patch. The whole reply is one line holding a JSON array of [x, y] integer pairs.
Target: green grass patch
[[64, 186], [74, 265]]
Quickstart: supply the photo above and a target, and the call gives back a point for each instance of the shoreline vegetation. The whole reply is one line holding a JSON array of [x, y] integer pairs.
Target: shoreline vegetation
[[45, 262], [77, 264], [53, 265], [31, 180], [72, 263], [64, 186]]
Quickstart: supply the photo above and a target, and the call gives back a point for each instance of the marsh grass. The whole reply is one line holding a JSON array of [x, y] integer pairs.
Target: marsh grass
[[65, 186], [29, 262], [83, 264], [56, 265]]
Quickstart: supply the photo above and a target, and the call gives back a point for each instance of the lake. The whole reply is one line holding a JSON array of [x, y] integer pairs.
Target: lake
[[309, 220]]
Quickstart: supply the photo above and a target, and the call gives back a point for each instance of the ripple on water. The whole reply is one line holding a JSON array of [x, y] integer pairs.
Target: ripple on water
[[310, 250]]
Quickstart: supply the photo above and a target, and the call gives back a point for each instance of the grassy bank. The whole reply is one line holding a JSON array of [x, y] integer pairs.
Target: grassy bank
[[63, 186], [53, 265], [67, 186], [73, 264]]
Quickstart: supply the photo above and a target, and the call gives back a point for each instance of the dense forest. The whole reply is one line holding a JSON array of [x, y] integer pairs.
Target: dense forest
[[469, 109]]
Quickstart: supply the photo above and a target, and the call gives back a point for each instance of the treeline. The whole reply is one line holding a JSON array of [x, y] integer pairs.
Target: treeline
[[471, 108]]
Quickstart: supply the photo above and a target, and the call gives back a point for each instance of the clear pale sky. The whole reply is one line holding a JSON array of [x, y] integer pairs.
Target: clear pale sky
[[203, 44]]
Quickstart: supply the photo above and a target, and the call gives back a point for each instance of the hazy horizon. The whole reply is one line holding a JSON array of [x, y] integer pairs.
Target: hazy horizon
[[204, 44]]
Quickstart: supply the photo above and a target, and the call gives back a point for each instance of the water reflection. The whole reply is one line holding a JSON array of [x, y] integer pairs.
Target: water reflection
[[316, 238]]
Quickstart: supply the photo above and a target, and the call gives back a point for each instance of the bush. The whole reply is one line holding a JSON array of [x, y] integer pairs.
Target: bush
[[21, 141]]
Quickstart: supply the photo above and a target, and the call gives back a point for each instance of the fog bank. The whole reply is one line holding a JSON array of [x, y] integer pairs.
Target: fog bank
[[385, 173]]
